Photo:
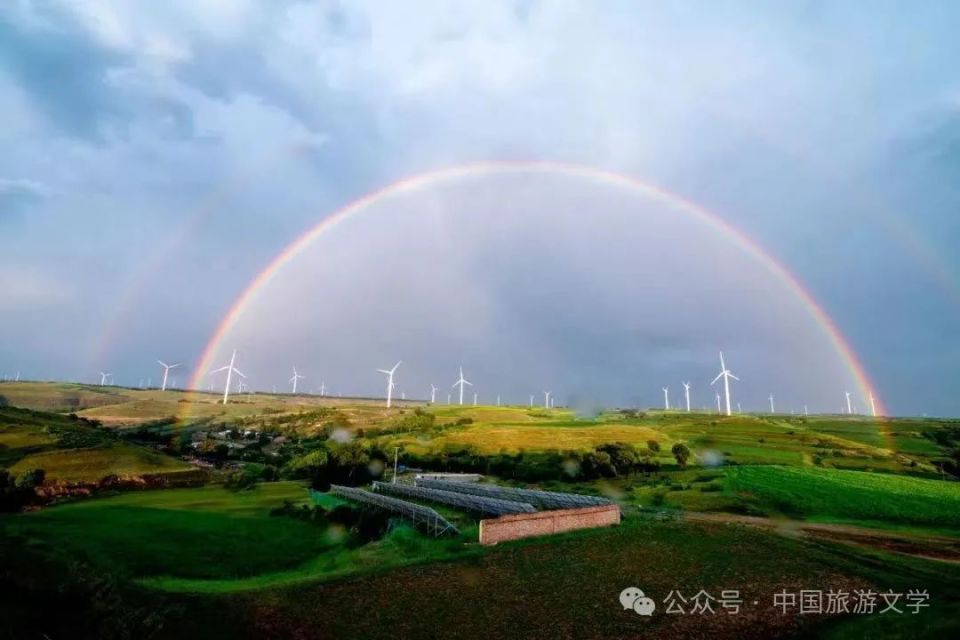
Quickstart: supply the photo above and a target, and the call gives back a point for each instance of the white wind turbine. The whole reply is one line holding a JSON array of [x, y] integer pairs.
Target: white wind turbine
[[103, 377], [323, 388], [230, 369], [294, 379], [166, 372], [849, 406], [666, 398], [873, 406], [772, 410], [531, 399], [433, 393], [546, 399], [475, 394], [718, 402], [686, 393], [461, 381], [726, 375], [389, 373]]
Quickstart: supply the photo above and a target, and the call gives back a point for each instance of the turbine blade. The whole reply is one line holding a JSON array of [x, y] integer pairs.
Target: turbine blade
[[174, 366], [733, 376], [720, 375], [385, 371], [238, 372], [161, 363], [218, 370], [469, 384]]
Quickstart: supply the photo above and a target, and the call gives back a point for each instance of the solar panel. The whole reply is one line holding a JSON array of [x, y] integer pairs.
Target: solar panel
[[540, 499], [478, 504], [419, 515]]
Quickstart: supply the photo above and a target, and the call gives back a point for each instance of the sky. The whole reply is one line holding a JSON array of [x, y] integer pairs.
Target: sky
[[157, 156]]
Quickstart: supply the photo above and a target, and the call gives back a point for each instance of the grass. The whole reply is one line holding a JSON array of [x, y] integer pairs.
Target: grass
[[212, 540], [91, 465], [849, 495], [206, 533]]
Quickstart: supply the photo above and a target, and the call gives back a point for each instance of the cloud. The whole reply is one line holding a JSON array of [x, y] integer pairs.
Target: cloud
[[17, 195]]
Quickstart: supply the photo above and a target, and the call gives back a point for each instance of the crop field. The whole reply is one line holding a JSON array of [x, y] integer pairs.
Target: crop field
[[567, 587], [850, 495], [564, 436]]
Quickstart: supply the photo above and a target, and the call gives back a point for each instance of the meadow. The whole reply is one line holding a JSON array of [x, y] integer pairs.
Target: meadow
[[241, 559]]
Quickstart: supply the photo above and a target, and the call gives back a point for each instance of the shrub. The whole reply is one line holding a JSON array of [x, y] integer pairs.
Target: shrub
[[681, 452]]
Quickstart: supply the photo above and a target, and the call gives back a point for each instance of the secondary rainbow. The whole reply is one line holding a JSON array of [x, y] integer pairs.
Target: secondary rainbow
[[426, 180]]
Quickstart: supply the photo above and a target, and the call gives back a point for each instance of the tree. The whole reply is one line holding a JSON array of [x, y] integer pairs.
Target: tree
[[654, 446], [31, 479], [681, 452]]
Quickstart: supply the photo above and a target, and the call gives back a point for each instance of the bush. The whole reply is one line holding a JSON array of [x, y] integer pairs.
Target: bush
[[30, 479], [654, 446], [681, 452]]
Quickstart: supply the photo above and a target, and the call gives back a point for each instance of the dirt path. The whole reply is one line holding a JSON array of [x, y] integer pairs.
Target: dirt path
[[931, 547]]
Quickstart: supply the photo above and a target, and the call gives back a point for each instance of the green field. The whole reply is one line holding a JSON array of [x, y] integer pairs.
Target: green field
[[849, 495], [763, 503]]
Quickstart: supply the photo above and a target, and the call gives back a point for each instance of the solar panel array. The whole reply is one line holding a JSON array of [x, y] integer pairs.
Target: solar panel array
[[419, 515], [483, 505], [540, 499]]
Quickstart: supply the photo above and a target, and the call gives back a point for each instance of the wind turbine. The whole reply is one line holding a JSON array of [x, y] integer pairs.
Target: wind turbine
[[293, 379], [323, 388], [726, 375], [772, 410], [433, 393], [849, 406], [475, 398], [498, 399], [666, 398], [873, 406], [166, 371], [546, 399], [389, 373], [531, 399], [448, 398], [686, 393], [230, 369], [805, 412], [461, 381], [718, 402], [103, 377]]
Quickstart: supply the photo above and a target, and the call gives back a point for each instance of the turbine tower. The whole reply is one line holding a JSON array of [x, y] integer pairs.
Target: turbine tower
[[433, 393], [230, 369], [873, 406], [531, 399], [296, 377], [718, 402], [726, 375], [666, 398], [389, 373], [166, 371], [772, 410], [474, 398], [849, 406], [323, 388], [461, 381], [686, 393], [546, 399]]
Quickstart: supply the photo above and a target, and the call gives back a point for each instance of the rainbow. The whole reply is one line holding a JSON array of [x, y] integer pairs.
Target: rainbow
[[426, 180]]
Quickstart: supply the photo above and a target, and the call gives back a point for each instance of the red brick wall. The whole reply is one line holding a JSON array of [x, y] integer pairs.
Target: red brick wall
[[542, 523]]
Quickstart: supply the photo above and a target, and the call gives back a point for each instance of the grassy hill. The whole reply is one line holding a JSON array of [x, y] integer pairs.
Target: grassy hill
[[73, 449]]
